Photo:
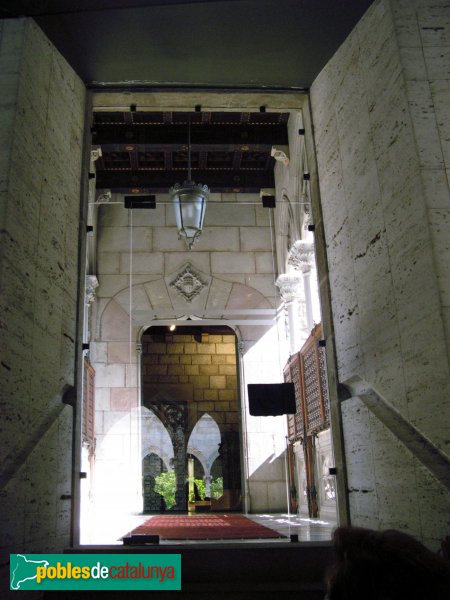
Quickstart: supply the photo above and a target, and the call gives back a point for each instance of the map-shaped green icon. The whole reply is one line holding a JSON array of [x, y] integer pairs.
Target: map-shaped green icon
[[24, 570]]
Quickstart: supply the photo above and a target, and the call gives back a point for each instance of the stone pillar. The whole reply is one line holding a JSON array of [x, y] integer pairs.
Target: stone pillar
[[289, 285]]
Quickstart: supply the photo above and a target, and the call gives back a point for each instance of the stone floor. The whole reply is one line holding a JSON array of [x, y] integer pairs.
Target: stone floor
[[106, 528], [308, 530]]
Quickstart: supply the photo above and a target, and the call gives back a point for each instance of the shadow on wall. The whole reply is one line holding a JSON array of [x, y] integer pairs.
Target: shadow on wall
[[267, 485]]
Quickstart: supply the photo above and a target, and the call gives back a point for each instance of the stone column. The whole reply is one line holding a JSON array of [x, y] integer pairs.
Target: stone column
[[91, 238], [207, 479], [301, 257], [242, 347], [91, 287], [90, 295], [289, 285], [179, 449], [136, 431]]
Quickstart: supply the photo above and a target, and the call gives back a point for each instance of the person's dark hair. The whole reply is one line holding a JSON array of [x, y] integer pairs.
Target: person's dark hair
[[385, 565]]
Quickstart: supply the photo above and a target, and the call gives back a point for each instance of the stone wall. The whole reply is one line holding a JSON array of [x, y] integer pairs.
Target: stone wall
[[422, 30], [42, 123], [378, 164], [235, 245], [265, 437]]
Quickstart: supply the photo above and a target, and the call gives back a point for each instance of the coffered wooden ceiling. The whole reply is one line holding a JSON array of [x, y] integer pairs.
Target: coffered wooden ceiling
[[148, 151], [221, 45]]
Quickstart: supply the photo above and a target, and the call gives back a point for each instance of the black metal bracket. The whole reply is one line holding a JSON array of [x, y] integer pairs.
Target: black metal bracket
[[140, 202]]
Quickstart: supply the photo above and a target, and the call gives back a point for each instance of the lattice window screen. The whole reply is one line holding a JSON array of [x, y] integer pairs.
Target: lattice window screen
[[308, 373], [323, 380]]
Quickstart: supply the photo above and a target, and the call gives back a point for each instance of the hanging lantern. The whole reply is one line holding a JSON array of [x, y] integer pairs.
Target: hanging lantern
[[189, 202]]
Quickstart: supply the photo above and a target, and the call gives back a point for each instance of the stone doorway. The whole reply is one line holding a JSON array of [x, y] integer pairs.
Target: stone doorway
[[191, 414]]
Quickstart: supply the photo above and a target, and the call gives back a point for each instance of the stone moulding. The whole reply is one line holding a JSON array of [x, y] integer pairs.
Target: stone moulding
[[188, 283]]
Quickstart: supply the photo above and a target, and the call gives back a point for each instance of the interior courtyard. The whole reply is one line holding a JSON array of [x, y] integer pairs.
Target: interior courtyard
[[321, 261]]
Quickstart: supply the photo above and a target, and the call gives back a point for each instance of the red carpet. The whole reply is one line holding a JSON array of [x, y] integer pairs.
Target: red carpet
[[205, 527]]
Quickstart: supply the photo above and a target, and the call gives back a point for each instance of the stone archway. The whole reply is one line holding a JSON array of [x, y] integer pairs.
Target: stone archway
[[190, 382], [204, 444]]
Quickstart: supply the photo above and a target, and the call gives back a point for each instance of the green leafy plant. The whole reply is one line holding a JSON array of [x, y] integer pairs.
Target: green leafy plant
[[201, 488], [166, 485], [217, 488]]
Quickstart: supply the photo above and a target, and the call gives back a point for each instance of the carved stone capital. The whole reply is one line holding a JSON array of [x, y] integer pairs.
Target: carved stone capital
[[95, 154], [290, 286], [301, 256], [307, 216], [105, 196], [91, 287]]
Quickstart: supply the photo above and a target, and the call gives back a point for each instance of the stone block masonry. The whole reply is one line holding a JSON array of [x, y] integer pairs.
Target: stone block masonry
[[235, 247], [210, 367]]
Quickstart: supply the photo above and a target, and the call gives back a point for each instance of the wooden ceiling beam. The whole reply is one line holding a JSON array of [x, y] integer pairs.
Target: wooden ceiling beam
[[201, 134], [160, 181], [206, 147]]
